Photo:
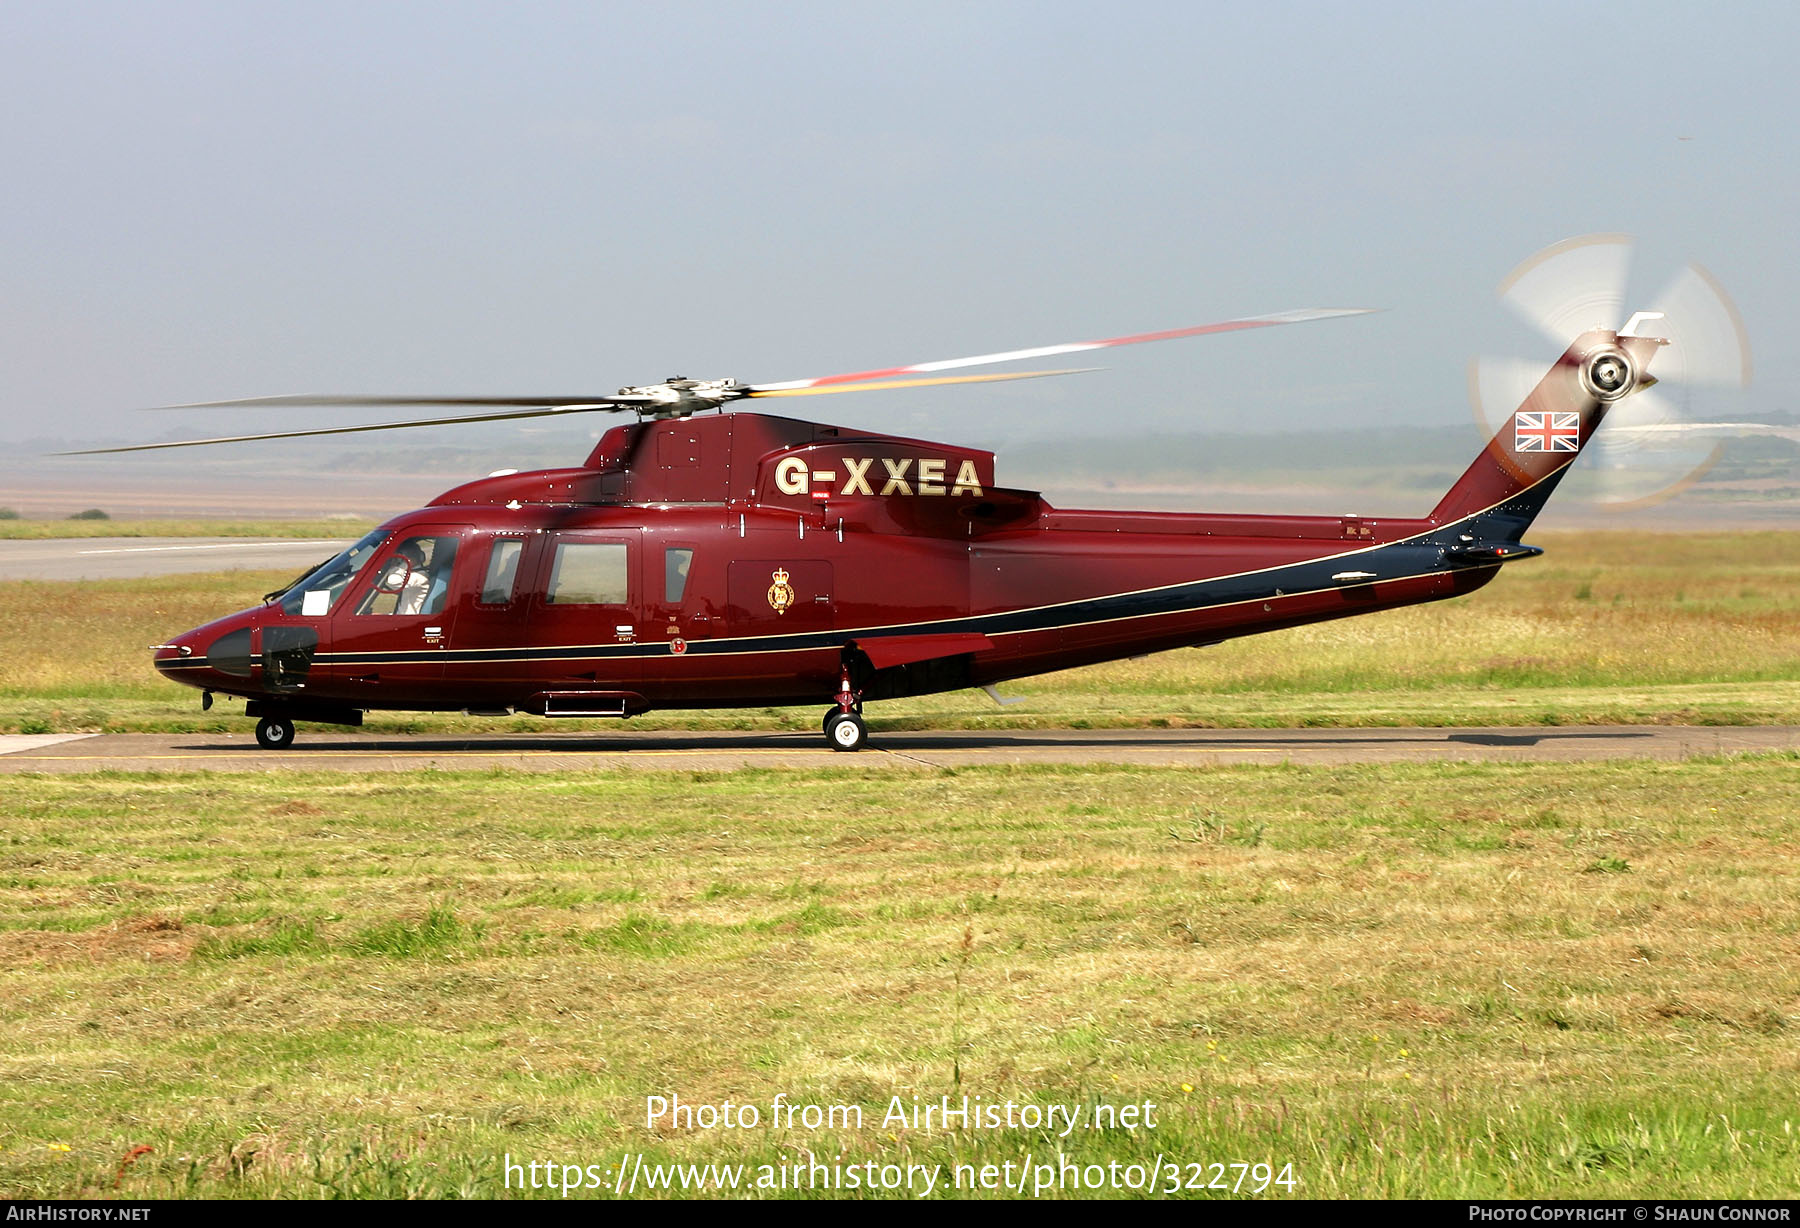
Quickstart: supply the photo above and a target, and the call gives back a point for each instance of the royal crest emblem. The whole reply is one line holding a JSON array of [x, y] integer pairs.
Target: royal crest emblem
[[781, 593]]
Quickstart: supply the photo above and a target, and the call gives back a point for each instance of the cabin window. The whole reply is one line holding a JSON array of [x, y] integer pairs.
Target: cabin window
[[588, 573], [675, 574], [502, 571]]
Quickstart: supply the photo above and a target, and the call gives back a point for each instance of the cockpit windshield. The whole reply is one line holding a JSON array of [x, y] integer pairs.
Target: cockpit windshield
[[318, 590]]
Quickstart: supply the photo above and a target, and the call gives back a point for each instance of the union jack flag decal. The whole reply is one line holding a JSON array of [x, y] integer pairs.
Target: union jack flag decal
[[1546, 432]]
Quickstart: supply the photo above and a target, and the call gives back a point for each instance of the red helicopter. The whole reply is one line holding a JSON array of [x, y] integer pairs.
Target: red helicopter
[[739, 559]]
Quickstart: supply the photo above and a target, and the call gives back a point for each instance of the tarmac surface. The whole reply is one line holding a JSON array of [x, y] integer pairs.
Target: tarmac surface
[[122, 558], [321, 749]]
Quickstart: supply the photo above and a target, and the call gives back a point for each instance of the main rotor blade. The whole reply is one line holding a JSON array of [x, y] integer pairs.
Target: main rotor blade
[[360, 400], [879, 385], [1074, 347], [351, 430]]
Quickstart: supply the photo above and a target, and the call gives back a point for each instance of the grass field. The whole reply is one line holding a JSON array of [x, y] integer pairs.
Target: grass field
[[348, 528], [1608, 628], [1427, 980], [1422, 980]]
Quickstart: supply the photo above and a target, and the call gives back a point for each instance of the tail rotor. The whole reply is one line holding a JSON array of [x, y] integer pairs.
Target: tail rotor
[[1651, 446]]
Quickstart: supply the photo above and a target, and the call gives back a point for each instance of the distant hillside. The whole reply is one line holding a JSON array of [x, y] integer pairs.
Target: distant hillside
[[372, 475]]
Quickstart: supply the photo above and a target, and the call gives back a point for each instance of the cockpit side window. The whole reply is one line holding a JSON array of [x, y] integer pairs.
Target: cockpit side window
[[414, 579], [318, 590]]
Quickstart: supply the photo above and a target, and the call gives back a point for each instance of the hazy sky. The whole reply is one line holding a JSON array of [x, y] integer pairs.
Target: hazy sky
[[217, 200]]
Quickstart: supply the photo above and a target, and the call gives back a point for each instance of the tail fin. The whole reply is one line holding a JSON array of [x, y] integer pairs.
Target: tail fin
[[1515, 474]]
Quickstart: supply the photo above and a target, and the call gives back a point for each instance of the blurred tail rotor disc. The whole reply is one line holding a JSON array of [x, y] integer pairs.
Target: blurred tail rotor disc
[[1650, 447]]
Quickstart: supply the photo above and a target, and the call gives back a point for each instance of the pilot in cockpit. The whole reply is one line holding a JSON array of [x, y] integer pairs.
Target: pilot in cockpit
[[415, 592], [416, 579]]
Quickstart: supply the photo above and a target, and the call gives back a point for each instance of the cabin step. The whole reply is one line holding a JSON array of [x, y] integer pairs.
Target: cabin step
[[590, 703]]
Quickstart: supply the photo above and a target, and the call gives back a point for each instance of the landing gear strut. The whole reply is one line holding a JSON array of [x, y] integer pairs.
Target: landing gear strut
[[275, 733], [844, 728]]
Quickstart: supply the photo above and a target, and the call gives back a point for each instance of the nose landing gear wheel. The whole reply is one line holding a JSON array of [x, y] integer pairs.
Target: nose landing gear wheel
[[274, 733], [846, 731]]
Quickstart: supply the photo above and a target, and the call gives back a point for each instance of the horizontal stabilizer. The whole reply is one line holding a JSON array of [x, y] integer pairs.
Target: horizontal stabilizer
[[886, 652]]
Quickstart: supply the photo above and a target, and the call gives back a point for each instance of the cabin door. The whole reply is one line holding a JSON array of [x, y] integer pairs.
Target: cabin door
[[390, 631], [584, 625]]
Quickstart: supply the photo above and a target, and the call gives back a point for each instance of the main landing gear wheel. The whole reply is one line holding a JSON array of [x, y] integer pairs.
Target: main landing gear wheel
[[831, 714], [274, 733], [846, 731]]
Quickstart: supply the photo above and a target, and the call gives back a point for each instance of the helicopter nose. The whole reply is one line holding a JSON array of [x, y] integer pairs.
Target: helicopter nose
[[181, 659], [206, 656], [176, 651]]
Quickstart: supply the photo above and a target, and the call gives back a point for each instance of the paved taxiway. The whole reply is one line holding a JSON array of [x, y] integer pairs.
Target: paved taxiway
[[119, 558], [325, 750]]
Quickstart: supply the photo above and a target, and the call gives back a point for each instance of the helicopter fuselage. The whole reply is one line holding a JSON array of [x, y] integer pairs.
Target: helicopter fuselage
[[762, 600], [747, 559]]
